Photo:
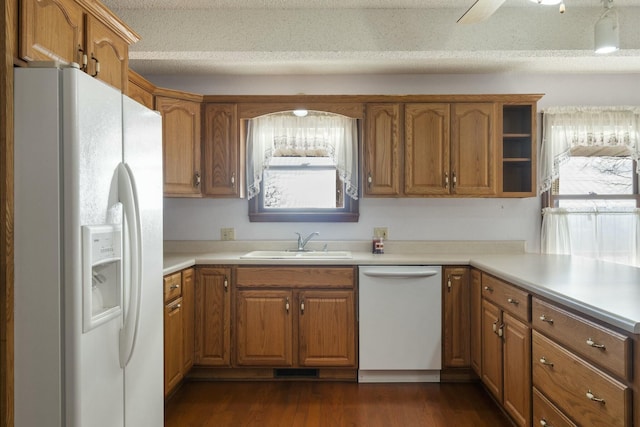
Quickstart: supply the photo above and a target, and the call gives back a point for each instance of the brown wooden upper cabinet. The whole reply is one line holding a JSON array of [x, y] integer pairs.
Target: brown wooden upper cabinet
[[76, 31], [180, 146], [382, 155], [222, 152], [449, 149], [482, 148]]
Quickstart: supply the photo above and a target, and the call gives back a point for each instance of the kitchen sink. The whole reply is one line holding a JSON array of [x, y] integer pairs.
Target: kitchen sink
[[297, 255]]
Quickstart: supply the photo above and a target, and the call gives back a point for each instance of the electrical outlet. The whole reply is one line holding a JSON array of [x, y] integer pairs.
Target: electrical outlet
[[381, 232], [227, 234]]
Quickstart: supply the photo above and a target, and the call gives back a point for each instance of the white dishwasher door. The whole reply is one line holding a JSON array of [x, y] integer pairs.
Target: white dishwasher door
[[400, 323]]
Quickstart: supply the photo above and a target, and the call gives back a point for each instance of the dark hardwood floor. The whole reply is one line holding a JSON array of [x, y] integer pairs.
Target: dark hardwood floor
[[328, 404]]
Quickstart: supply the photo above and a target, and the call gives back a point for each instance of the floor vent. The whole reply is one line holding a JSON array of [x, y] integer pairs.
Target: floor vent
[[295, 373]]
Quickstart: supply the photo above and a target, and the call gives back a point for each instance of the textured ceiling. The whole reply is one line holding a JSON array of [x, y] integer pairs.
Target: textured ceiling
[[371, 36]]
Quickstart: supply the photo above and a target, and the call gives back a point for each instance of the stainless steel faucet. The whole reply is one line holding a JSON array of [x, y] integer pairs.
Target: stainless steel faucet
[[302, 242]]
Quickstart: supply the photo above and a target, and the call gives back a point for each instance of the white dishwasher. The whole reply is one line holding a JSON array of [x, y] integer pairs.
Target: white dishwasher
[[400, 323]]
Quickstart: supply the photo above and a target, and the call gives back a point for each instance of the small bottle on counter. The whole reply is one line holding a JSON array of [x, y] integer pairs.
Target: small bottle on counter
[[377, 245]]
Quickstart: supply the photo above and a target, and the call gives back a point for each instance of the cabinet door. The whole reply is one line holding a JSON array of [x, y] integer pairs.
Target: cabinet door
[[180, 146], [172, 345], [476, 321], [492, 349], [264, 328], [456, 337], [473, 149], [517, 370], [326, 328], [51, 29], [382, 150], [213, 317], [188, 307], [221, 150], [426, 149], [108, 54]]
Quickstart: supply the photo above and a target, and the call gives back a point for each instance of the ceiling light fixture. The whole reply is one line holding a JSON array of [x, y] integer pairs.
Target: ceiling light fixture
[[606, 36], [300, 112]]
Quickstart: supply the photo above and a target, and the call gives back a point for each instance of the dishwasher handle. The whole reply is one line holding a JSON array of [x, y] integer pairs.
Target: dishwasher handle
[[400, 274]]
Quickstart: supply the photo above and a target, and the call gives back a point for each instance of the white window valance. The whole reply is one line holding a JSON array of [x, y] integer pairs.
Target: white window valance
[[566, 129], [318, 134]]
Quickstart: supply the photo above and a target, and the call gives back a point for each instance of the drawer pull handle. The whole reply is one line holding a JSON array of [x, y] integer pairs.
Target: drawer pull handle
[[545, 362], [513, 301], [175, 287], [175, 307], [501, 330], [226, 285], [592, 343], [544, 423], [546, 319], [286, 305], [593, 398], [487, 288], [495, 326]]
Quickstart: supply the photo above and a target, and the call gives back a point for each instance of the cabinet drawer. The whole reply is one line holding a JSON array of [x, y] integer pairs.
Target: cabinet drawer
[[172, 286], [574, 385], [602, 346], [295, 277], [508, 297], [546, 414]]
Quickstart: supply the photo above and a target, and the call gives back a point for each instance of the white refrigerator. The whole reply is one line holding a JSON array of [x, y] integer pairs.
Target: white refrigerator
[[88, 254]]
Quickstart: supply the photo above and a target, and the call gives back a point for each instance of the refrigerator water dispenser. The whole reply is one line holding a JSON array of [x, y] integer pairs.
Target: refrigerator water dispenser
[[101, 274]]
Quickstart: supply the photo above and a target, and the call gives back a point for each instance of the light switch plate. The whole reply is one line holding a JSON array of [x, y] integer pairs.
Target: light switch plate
[[381, 232], [227, 234]]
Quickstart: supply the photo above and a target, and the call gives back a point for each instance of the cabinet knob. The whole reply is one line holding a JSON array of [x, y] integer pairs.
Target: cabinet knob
[[302, 306], [286, 304], [449, 283], [513, 301], [83, 59], [545, 362], [97, 66], [488, 289], [233, 178], [593, 398], [546, 319], [369, 179], [592, 343], [446, 180], [226, 285], [544, 423], [501, 330], [454, 179], [196, 179]]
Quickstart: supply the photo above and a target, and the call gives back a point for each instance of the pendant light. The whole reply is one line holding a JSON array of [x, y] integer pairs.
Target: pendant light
[[606, 36]]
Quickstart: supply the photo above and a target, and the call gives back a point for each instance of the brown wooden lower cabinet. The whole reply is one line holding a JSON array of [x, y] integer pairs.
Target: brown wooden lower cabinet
[[296, 324], [172, 345], [456, 317], [475, 312], [178, 327], [506, 360], [212, 328], [264, 324]]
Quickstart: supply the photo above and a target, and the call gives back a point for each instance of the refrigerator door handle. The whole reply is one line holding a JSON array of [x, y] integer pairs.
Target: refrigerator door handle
[[128, 196]]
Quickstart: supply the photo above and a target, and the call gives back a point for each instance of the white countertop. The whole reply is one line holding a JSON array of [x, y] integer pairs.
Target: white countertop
[[608, 292]]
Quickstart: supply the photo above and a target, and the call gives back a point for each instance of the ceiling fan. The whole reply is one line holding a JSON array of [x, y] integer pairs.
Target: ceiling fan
[[483, 9], [479, 11]]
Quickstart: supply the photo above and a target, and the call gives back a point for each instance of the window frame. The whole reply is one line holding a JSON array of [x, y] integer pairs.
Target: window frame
[[551, 200], [351, 211]]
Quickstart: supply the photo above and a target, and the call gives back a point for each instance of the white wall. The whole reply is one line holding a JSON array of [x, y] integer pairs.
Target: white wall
[[407, 219]]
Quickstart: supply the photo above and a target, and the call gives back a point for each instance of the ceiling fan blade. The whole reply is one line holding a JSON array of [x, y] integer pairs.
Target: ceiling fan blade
[[479, 11]]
